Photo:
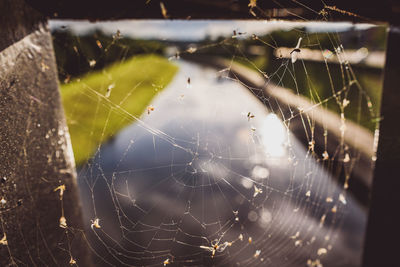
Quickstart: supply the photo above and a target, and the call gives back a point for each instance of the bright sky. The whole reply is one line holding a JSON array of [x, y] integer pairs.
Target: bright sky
[[196, 29]]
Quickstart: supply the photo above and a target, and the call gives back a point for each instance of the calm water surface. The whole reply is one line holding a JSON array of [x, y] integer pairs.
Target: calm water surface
[[199, 176]]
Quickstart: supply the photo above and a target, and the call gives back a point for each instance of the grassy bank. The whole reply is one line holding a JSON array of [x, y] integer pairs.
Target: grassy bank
[[317, 75], [100, 104]]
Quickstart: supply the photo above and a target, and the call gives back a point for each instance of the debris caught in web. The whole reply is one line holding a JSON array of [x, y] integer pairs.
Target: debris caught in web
[[109, 89], [342, 199], [257, 191], [166, 262], [346, 158], [61, 190], [325, 155], [295, 52], [3, 240], [164, 11], [240, 237], [150, 109], [314, 263], [250, 116], [95, 223], [63, 222], [92, 63], [321, 251], [72, 261]]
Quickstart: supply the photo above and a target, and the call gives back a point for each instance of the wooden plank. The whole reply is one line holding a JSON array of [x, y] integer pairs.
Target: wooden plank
[[35, 155], [342, 10], [383, 231]]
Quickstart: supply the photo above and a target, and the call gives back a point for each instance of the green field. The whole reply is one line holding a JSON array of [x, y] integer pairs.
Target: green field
[[99, 104]]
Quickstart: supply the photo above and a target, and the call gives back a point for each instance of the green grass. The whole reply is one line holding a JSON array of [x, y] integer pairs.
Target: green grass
[[370, 80], [93, 118]]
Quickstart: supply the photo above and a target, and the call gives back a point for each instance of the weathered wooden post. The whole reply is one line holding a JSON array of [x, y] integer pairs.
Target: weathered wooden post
[[383, 232], [40, 216]]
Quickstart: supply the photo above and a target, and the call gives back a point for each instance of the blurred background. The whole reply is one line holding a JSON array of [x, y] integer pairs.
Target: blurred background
[[222, 142]]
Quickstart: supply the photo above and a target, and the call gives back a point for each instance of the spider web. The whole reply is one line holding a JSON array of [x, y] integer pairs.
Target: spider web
[[234, 163]]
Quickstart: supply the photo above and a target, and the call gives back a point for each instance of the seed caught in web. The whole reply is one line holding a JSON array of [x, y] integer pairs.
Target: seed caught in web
[[44, 66], [222, 247], [62, 189], [342, 199], [346, 158], [295, 51], [346, 102], [237, 33], [257, 253], [63, 222], [322, 220], [298, 243], [327, 53], [211, 249], [191, 49], [314, 263], [325, 155], [3, 241], [334, 209], [92, 63], [308, 194], [250, 240], [321, 251], [311, 145], [240, 237], [95, 223], [216, 247], [117, 35], [99, 44], [72, 261], [257, 191], [67, 79], [252, 3], [250, 116], [150, 109], [295, 236], [166, 262], [164, 11], [109, 89]]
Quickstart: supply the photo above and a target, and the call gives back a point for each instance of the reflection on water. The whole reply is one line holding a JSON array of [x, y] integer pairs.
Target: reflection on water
[[274, 136], [212, 178]]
